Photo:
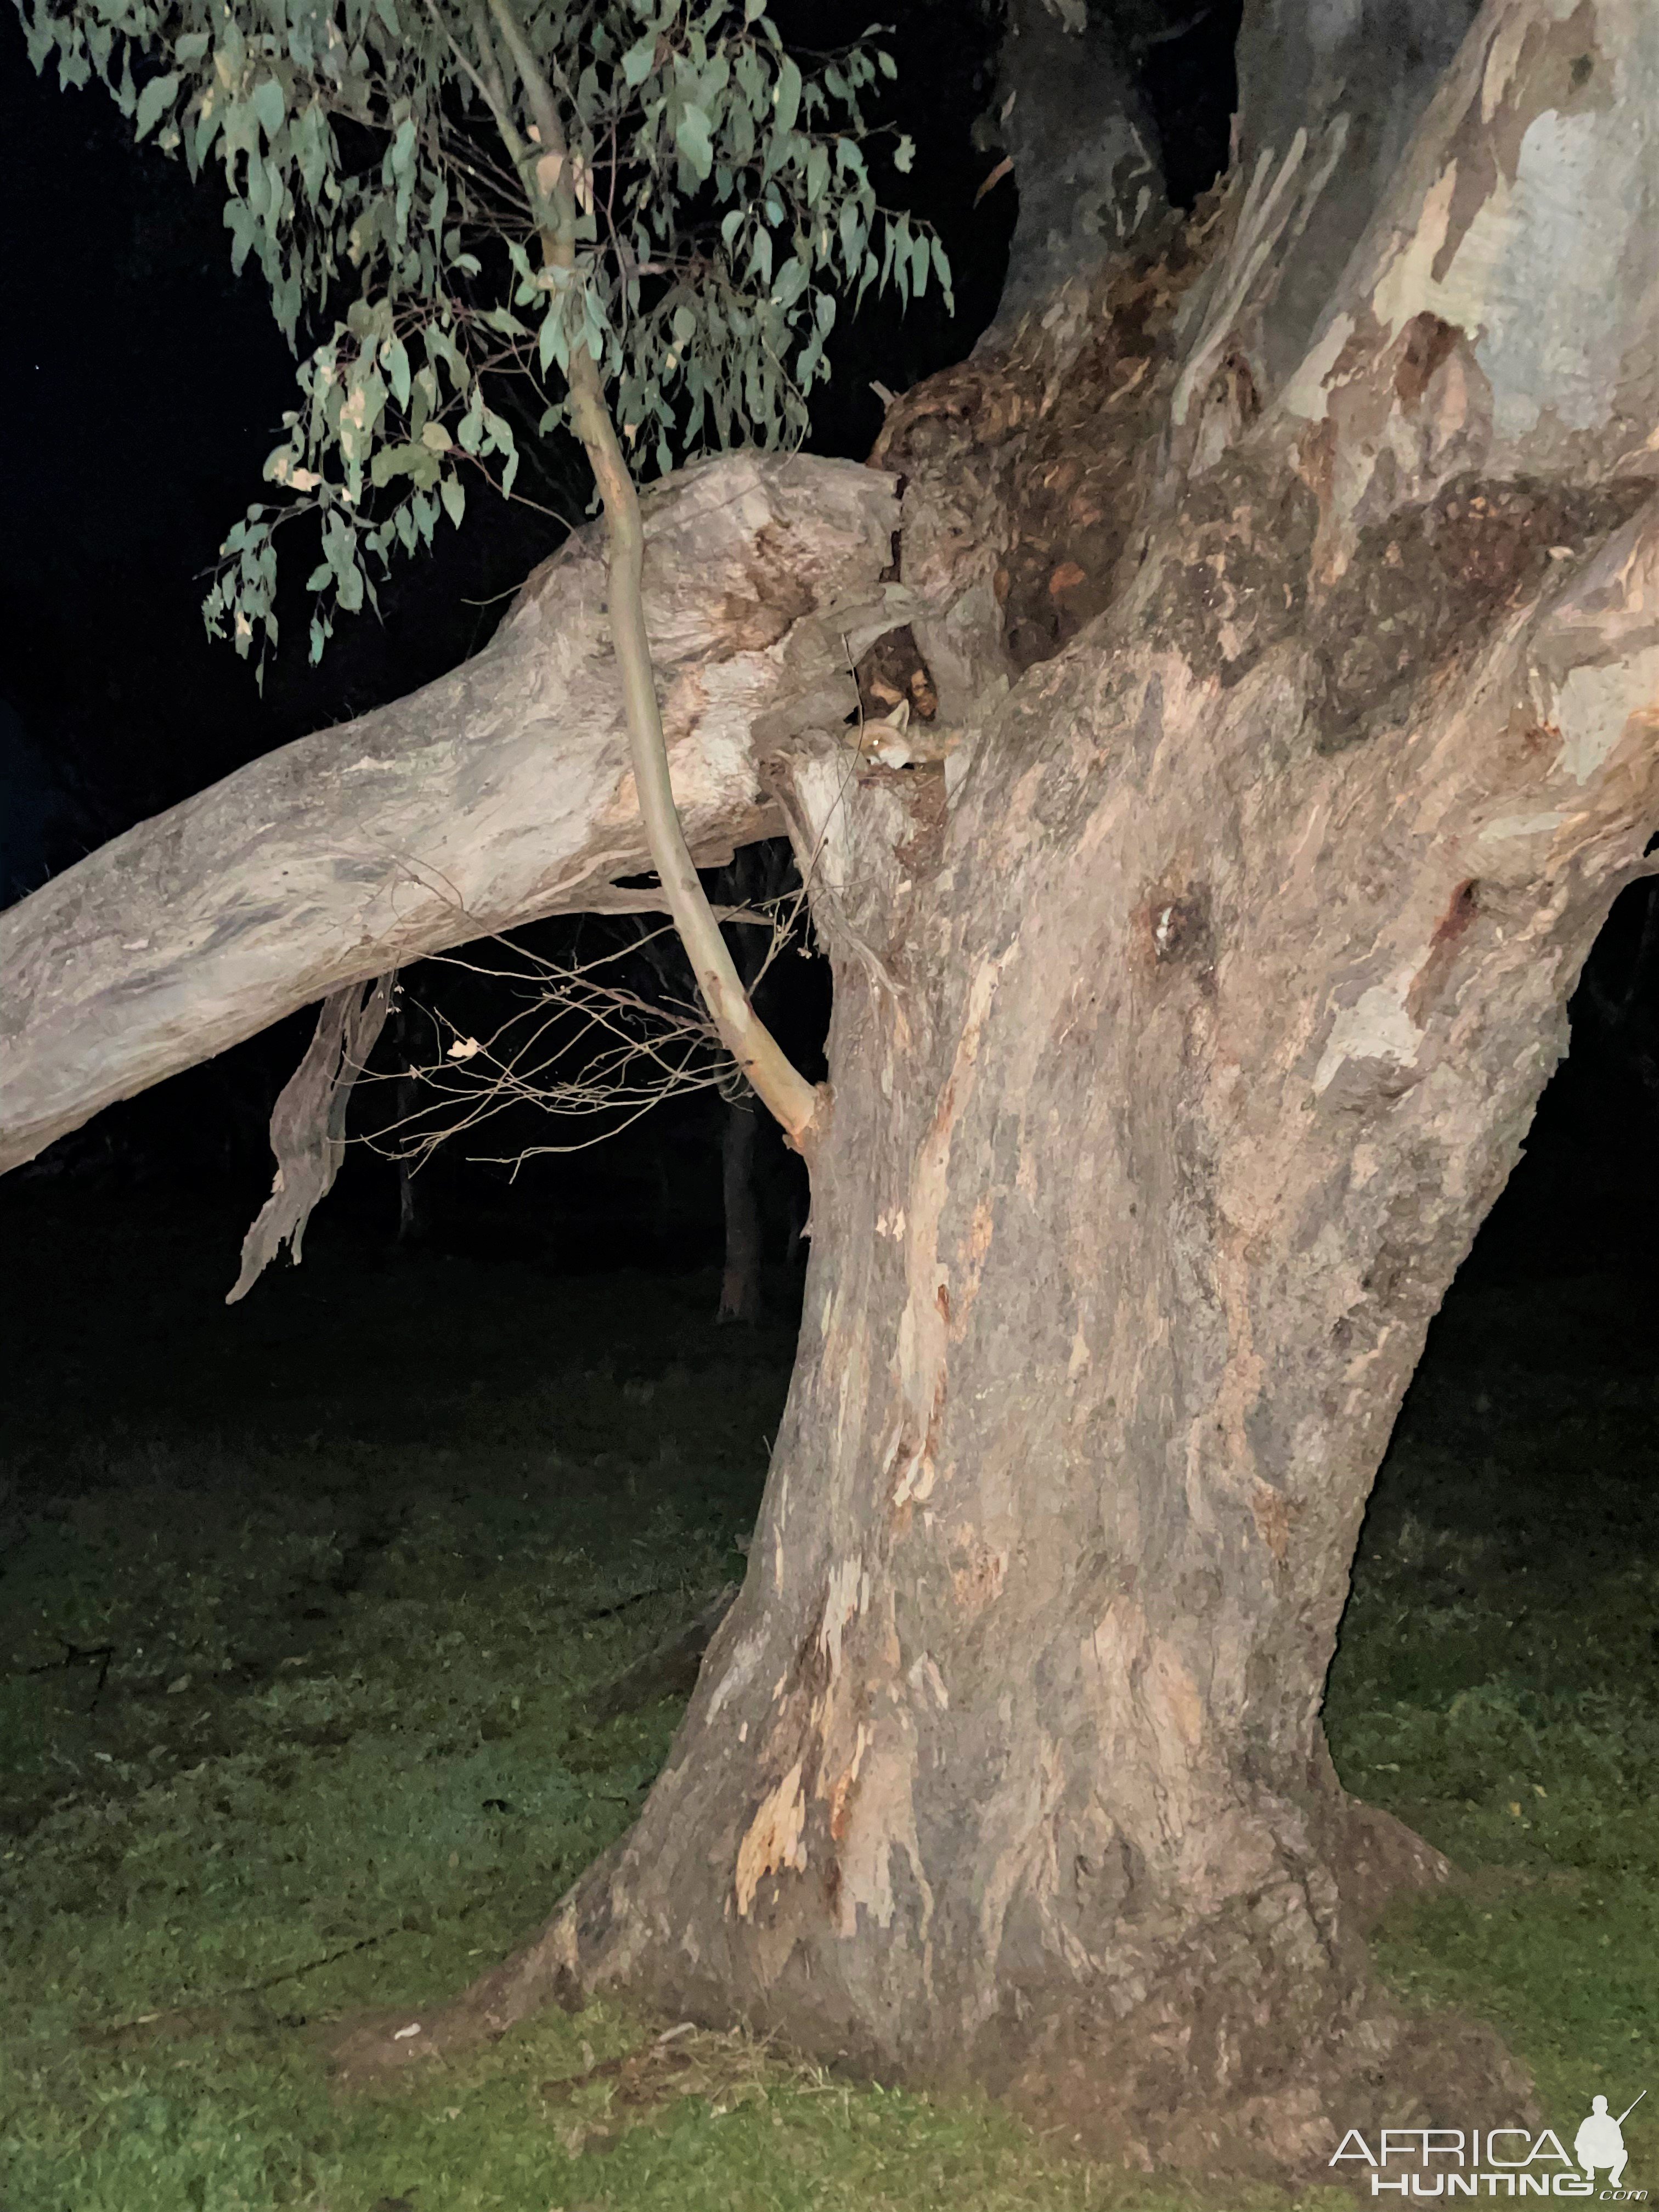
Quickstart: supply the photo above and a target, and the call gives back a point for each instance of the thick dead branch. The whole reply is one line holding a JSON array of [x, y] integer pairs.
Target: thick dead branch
[[500, 794]]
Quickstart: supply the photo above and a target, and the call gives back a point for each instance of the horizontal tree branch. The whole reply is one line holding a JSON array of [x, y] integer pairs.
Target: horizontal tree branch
[[498, 794]]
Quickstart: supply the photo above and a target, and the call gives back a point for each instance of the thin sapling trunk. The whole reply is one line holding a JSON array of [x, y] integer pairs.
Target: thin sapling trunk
[[547, 170]]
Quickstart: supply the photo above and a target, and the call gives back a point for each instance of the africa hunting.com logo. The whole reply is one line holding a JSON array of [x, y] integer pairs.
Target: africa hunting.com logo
[[1454, 2162]]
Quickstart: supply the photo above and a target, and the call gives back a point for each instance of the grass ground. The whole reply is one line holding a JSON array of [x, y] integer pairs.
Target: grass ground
[[299, 1648]]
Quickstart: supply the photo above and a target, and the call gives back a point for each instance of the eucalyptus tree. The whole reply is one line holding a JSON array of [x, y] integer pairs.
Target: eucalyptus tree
[[1287, 577]]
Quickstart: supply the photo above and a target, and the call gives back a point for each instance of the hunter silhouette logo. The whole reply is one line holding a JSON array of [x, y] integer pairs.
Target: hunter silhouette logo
[[1454, 2162], [1600, 2141]]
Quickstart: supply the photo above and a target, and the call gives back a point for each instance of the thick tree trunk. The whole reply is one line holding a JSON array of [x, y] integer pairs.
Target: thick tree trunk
[[1188, 1016], [1179, 1048], [740, 1277], [1008, 1762]]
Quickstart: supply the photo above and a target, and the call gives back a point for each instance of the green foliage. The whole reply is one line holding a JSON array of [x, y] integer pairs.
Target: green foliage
[[723, 207]]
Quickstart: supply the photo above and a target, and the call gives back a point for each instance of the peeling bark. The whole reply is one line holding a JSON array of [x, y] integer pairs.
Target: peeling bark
[[1377, 65], [307, 1126]]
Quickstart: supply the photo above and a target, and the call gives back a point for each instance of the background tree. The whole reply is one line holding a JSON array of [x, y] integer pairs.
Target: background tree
[[1288, 580]]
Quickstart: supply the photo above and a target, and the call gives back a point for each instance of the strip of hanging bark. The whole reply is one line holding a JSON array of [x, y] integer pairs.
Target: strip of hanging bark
[[308, 1124]]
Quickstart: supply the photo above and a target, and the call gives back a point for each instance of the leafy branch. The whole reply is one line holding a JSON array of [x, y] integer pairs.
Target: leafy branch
[[722, 209]]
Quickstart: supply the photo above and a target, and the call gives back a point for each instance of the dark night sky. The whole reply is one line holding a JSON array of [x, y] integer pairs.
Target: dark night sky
[[139, 394]]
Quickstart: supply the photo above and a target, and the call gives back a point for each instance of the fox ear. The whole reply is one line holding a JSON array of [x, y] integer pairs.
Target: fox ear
[[897, 718]]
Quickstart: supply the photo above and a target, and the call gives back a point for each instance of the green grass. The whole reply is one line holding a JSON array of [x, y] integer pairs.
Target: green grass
[[1498, 1684], [339, 1759]]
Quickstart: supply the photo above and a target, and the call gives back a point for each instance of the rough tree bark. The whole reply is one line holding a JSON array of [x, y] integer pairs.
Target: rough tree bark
[[740, 1276], [1187, 1020], [760, 877]]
